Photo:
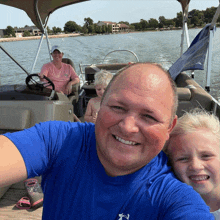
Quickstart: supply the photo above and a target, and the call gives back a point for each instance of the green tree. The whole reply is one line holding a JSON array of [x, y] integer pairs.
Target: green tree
[[132, 27], [49, 31], [56, 30], [10, 31], [26, 34], [179, 20], [169, 22], [88, 22], [91, 29], [143, 24], [162, 21], [124, 22], [84, 30], [209, 13], [137, 26], [195, 21], [104, 29], [109, 28], [153, 23], [98, 29], [71, 26]]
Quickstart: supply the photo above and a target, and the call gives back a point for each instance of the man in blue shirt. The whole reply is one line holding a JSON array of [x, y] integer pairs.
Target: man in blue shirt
[[112, 170]]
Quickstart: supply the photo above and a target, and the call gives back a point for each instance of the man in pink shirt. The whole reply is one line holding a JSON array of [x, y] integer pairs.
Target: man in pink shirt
[[61, 74]]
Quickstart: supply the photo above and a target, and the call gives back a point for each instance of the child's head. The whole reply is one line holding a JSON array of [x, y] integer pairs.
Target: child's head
[[194, 153], [102, 79]]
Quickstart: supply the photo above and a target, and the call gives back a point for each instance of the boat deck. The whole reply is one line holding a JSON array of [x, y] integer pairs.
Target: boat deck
[[8, 201]]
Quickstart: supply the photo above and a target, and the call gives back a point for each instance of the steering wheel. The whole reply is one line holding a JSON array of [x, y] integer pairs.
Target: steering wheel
[[32, 84], [38, 86]]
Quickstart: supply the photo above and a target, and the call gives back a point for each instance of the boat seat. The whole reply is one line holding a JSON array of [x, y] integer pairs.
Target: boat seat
[[68, 61], [74, 96], [91, 70], [191, 95], [184, 94], [14, 119]]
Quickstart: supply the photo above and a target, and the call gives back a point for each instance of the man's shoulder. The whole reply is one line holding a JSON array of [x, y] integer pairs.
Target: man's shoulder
[[47, 65]]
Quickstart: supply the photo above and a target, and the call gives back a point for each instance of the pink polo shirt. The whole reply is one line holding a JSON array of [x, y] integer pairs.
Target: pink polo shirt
[[60, 77]]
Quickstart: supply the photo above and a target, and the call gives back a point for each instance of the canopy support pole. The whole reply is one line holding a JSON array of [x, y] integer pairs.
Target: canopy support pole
[[211, 36]]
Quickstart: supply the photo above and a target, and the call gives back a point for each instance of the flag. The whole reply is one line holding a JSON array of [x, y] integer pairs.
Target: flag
[[194, 57]]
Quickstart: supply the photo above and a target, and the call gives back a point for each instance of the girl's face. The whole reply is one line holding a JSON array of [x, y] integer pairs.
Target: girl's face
[[195, 160], [100, 89]]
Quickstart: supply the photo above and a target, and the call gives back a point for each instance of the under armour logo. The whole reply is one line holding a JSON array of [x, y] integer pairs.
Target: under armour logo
[[123, 216]]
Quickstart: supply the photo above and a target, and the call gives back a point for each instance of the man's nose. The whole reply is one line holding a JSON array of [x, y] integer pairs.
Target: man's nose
[[196, 164], [129, 124]]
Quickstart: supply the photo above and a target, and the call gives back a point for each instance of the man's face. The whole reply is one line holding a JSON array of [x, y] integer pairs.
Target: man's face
[[196, 160], [133, 123], [57, 56]]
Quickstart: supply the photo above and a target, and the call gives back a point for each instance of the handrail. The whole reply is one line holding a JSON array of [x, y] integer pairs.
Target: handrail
[[9, 55], [120, 51]]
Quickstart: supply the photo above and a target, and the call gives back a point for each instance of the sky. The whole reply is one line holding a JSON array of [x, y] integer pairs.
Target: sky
[[104, 10]]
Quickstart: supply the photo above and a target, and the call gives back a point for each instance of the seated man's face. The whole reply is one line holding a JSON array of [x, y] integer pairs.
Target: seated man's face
[[57, 56], [195, 160], [134, 120]]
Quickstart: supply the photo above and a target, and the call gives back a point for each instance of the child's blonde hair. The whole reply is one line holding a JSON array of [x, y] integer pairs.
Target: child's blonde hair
[[192, 121], [103, 77]]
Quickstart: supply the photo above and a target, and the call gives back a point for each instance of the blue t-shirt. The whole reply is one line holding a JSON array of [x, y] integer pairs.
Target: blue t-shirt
[[76, 186]]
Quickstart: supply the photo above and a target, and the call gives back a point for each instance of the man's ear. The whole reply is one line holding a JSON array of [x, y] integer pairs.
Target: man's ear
[[172, 125]]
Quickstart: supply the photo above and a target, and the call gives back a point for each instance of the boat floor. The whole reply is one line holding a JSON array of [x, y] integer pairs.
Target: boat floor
[[8, 209]]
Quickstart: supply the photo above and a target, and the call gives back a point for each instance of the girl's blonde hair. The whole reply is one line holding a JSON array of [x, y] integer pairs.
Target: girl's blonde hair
[[192, 121], [103, 77]]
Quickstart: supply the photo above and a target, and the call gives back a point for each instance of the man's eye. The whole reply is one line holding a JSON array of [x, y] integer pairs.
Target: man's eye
[[206, 156], [115, 107], [149, 117]]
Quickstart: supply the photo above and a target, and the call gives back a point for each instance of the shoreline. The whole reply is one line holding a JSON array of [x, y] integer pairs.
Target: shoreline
[[10, 39]]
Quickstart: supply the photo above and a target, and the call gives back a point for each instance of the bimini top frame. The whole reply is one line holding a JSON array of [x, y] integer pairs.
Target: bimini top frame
[[38, 11]]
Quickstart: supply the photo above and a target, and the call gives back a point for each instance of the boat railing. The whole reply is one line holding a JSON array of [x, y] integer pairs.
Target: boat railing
[[129, 51]]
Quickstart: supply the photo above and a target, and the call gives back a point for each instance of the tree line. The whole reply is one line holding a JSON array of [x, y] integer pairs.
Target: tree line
[[196, 18]]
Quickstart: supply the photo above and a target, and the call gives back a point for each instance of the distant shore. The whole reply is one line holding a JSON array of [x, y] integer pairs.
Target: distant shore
[[72, 35], [37, 37]]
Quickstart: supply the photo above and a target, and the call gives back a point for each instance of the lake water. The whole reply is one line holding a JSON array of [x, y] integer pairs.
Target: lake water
[[161, 47]]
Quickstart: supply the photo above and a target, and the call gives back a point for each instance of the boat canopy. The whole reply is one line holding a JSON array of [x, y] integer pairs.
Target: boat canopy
[[39, 10]]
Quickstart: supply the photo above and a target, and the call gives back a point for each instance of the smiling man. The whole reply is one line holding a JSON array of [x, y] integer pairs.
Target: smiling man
[[114, 169]]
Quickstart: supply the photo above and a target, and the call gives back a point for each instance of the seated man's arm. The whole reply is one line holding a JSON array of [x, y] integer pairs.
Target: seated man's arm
[[12, 166], [44, 71]]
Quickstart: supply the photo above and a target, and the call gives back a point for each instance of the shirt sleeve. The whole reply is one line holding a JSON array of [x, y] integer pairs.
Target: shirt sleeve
[[73, 74], [40, 144], [44, 71], [178, 201]]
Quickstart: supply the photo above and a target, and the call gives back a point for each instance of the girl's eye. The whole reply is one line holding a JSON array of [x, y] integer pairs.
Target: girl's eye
[[183, 159]]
